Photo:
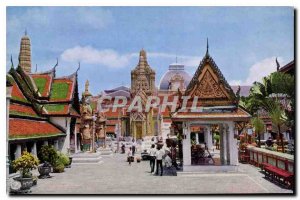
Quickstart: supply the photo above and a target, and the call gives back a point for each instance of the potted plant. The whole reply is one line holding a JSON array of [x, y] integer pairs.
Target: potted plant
[[60, 163], [48, 156], [24, 165], [65, 159]]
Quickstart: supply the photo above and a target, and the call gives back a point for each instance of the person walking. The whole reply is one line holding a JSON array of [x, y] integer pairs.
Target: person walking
[[133, 147], [159, 156], [129, 154], [152, 157]]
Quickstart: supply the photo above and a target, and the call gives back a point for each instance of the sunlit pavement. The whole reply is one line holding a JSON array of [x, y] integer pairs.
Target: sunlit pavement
[[115, 176]]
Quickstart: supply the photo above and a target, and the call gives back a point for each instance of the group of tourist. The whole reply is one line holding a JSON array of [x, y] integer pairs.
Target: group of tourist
[[159, 153]]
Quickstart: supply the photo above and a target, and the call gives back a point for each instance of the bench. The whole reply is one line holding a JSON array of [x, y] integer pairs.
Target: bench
[[278, 175]]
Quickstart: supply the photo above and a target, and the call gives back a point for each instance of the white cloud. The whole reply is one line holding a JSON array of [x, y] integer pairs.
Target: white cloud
[[111, 58], [235, 82], [258, 71], [189, 61], [90, 55]]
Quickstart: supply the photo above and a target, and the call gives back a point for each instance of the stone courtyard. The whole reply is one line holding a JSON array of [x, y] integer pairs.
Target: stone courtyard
[[114, 176]]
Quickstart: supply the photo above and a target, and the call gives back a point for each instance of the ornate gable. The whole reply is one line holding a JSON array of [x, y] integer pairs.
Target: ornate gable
[[210, 85], [137, 116]]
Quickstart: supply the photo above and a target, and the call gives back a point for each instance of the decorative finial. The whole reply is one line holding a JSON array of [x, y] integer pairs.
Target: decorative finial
[[207, 46], [278, 65], [78, 67], [56, 63], [11, 61]]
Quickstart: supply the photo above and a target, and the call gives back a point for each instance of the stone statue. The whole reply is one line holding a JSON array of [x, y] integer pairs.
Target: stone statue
[[86, 123], [100, 129]]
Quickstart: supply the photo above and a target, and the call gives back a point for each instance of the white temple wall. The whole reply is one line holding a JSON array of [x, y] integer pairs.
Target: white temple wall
[[63, 142]]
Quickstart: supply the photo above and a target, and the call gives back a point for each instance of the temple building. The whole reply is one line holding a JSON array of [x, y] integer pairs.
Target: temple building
[[155, 122], [175, 78], [217, 109], [43, 108]]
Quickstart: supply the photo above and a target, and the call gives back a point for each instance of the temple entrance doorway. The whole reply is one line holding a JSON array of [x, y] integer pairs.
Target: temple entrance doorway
[[139, 130], [203, 151]]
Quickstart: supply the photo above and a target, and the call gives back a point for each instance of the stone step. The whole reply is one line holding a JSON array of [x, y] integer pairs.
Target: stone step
[[86, 157], [86, 160], [88, 163], [105, 152]]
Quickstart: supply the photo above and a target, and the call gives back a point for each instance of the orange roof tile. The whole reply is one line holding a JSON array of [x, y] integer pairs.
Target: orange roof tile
[[239, 114], [22, 110], [25, 129], [17, 94], [110, 129]]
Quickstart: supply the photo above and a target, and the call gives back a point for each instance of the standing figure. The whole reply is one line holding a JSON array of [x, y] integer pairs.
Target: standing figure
[[159, 156], [129, 154], [152, 157], [133, 147]]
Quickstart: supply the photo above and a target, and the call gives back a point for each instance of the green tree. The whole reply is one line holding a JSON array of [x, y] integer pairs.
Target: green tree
[[276, 95], [278, 116], [258, 124]]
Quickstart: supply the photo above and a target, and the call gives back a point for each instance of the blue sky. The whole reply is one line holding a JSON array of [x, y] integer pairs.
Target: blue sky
[[244, 41]]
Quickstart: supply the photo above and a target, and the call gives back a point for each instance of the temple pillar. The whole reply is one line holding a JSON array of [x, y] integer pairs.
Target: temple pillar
[[75, 139], [222, 144], [33, 149], [18, 152], [186, 144], [233, 145], [56, 144], [66, 143], [197, 138], [208, 138], [228, 144]]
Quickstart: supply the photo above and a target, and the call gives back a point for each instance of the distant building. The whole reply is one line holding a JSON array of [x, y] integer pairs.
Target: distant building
[[155, 122]]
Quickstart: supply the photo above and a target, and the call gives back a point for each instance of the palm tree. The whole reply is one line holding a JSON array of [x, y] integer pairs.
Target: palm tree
[[266, 95], [258, 124], [277, 115]]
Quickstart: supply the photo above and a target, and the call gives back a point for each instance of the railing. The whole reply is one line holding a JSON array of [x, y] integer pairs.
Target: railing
[[277, 159]]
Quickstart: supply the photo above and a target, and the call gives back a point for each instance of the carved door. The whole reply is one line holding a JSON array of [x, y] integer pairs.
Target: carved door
[[139, 130]]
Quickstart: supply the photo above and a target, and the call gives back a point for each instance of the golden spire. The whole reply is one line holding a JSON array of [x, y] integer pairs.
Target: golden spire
[[25, 54], [87, 83], [143, 58], [86, 90]]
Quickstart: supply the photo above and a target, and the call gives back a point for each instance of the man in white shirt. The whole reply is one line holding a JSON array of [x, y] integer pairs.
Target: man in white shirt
[[159, 156], [152, 152]]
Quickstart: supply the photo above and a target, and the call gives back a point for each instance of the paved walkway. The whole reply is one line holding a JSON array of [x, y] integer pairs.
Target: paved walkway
[[115, 176]]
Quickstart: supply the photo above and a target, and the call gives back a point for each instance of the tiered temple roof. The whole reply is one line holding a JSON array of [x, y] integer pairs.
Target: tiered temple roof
[[35, 98], [216, 99]]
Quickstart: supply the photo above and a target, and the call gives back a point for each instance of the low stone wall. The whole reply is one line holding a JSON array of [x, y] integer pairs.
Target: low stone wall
[[280, 160]]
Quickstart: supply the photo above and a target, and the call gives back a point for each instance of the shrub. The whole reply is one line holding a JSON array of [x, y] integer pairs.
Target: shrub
[[63, 158], [25, 164], [216, 137], [48, 154], [59, 168]]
